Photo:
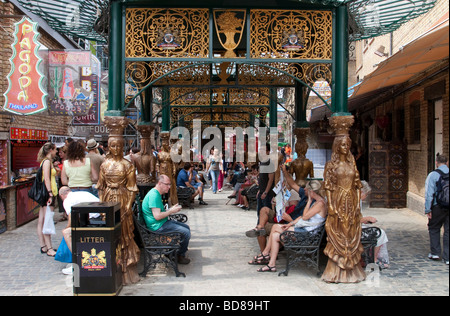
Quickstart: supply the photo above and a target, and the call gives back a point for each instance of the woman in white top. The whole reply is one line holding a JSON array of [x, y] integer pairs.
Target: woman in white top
[[381, 254], [314, 216]]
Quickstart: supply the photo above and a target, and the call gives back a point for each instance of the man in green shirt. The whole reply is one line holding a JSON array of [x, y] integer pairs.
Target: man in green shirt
[[156, 216]]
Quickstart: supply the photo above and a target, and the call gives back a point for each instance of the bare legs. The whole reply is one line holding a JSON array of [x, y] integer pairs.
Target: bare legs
[[44, 240], [272, 248]]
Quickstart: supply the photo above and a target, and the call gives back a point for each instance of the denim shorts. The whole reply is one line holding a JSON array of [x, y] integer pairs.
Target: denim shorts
[[300, 230]]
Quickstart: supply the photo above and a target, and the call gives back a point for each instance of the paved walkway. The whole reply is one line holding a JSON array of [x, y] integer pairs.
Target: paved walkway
[[220, 251]]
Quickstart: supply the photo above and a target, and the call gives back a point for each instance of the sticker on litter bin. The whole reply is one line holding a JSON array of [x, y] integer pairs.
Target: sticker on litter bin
[[94, 259]]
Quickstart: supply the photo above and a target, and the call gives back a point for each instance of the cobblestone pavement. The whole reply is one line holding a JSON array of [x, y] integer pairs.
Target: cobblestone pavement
[[219, 252]]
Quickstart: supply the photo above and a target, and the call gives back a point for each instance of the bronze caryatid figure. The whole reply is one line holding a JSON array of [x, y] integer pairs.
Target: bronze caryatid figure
[[117, 183], [301, 167], [342, 184], [145, 161], [166, 166]]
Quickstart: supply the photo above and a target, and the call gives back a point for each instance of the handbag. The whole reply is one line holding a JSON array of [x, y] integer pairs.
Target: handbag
[[63, 253], [38, 191], [49, 225]]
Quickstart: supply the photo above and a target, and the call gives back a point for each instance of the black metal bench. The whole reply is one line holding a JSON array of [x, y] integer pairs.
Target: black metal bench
[[185, 196], [302, 247], [251, 195], [305, 247], [159, 248]]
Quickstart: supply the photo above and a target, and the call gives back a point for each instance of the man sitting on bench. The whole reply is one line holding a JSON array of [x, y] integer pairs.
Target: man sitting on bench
[[185, 178], [156, 216]]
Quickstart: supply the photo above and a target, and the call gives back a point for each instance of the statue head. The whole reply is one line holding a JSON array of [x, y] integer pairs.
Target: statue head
[[301, 148], [115, 145]]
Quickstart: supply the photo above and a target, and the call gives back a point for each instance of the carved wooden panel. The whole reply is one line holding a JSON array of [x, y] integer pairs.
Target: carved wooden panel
[[398, 176], [388, 175]]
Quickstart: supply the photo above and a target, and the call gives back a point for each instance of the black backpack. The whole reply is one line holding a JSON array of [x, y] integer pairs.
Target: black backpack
[[442, 193]]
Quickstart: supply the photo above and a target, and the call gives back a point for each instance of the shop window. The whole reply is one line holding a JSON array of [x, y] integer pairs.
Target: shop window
[[415, 122]]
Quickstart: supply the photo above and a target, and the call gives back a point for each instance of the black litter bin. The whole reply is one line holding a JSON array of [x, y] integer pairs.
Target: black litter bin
[[95, 242]]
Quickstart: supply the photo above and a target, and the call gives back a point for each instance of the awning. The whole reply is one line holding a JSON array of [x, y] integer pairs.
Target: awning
[[411, 60], [414, 58], [79, 18], [89, 18], [371, 18]]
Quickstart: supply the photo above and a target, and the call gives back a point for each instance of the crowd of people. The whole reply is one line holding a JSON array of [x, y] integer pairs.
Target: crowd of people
[[74, 166], [71, 174], [304, 210]]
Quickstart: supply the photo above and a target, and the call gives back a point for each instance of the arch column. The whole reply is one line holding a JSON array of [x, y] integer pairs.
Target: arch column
[[339, 92], [116, 86]]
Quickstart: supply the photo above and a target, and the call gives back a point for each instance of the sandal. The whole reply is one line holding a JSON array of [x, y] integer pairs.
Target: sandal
[[269, 269], [42, 249], [260, 259], [49, 250]]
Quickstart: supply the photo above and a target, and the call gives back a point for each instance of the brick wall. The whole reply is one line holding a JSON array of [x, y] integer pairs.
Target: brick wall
[[366, 61], [54, 125], [38, 121], [418, 153]]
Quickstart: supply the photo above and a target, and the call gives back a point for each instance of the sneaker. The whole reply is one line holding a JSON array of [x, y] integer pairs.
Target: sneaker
[[433, 257], [446, 262], [201, 202], [68, 270], [255, 233]]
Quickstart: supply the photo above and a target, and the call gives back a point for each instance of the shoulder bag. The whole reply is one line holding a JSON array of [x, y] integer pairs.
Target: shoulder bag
[[38, 191]]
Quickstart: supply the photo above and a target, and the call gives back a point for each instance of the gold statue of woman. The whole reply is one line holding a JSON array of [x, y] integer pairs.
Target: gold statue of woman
[[343, 226], [301, 167], [167, 167], [117, 183], [145, 161]]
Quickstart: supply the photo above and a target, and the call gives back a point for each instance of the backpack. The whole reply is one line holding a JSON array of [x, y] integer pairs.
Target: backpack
[[442, 193]]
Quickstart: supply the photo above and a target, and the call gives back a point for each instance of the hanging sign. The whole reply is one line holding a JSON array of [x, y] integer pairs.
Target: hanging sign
[[25, 94], [74, 83]]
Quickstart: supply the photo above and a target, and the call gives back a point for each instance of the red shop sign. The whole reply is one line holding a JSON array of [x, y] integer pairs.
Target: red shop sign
[[17, 133], [25, 94]]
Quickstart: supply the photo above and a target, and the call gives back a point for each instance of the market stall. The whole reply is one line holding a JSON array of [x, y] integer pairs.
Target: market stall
[[25, 145]]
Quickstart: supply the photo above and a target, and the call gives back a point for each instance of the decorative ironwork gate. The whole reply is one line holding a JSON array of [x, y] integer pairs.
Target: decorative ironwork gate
[[220, 65], [304, 39]]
